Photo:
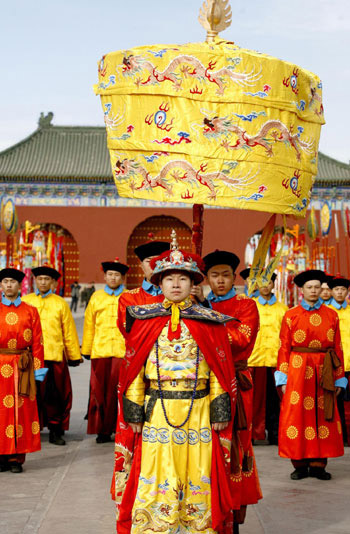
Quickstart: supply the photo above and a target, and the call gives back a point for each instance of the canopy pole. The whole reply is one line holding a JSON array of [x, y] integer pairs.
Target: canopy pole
[[197, 228]]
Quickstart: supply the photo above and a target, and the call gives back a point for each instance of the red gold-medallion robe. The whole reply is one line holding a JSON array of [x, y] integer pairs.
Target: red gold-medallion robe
[[19, 422], [303, 431], [135, 297]]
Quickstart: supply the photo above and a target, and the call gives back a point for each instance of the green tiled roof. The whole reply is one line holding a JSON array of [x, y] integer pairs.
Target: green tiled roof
[[79, 154]]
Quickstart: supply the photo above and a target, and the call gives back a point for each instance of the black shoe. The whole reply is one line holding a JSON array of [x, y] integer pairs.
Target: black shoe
[[103, 438], [55, 438], [4, 466], [300, 473], [320, 473], [15, 467]]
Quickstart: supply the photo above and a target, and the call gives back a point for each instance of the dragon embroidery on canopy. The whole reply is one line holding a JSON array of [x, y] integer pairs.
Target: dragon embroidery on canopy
[[180, 171], [188, 67], [217, 127]]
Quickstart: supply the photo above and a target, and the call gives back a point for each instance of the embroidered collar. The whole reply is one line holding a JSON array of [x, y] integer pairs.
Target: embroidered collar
[[270, 302], [8, 302], [49, 292], [214, 298], [115, 292], [307, 306], [338, 306], [150, 288], [327, 302]]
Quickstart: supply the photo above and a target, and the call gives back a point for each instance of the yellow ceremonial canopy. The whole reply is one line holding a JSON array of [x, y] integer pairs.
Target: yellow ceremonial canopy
[[211, 123]]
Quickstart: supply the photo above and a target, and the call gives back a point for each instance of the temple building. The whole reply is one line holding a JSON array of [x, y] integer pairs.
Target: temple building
[[60, 180]]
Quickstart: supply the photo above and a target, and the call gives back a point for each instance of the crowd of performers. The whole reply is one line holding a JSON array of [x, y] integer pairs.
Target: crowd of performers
[[186, 382]]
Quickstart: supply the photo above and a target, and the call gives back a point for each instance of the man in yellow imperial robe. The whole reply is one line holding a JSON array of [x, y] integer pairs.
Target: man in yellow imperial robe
[[177, 402], [21, 364], [310, 373], [340, 289], [262, 363], [61, 348], [104, 344]]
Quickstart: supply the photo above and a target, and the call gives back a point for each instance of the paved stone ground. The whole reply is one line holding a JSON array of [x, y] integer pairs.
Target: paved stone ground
[[65, 490]]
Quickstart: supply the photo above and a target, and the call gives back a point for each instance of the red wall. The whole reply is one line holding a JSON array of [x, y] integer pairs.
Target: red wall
[[102, 233]]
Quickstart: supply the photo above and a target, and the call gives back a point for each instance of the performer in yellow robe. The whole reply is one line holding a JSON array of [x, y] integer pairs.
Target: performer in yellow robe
[[61, 347], [105, 345], [263, 361], [340, 288]]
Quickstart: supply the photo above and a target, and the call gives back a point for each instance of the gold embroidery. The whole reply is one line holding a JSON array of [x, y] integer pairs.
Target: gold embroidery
[[299, 336], [11, 318], [8, 401], [284, 367], [309, 433], [330, 335], [315, 344], [320, 402], [323, 432], [309, 372], [297, 361], [19, 431], [27, 334], [35, 427], [292, 432], [294, 397], [37, 363], [289, 322], [339, 427], [12, 343], [315, 319], [308, 403], [10, 431], [245, 329], [6, 370]]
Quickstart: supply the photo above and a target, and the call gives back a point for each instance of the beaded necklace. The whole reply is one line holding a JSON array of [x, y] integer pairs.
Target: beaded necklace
[[161, 391]]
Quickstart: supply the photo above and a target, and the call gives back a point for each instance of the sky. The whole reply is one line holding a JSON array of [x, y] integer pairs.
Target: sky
[[49, 52]]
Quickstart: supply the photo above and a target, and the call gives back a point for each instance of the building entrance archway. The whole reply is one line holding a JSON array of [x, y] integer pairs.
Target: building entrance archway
[[160, 226]]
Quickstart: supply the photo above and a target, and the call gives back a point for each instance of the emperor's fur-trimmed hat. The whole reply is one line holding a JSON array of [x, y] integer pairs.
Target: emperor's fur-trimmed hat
[[177, 260]]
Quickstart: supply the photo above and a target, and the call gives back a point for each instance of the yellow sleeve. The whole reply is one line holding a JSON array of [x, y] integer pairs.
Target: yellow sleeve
[[89, 330], [215, 387], [70, 335], [136, 391]]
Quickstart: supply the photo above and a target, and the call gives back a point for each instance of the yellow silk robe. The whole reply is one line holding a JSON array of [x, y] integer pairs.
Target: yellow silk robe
[[102, 338], [344, 327], [174, 492], [58, 326], [267, 342]]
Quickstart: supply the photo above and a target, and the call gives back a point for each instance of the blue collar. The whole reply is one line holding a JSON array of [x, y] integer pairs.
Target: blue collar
[[254, 295], [8, 302], [307, 306], [270, 302], [150, 288], [338, 306], [327, 302], [115, 292], [49, 292], [213, 298]]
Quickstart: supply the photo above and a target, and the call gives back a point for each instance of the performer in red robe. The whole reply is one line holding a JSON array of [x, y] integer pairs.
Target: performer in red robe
[[310, 372], [157, 483], [148, 293], [21, 363], [220, 267]]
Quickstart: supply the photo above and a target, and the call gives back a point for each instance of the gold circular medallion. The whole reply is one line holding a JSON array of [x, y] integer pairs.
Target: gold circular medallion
[[12, 344], [289, 322], [19, 431], [297, 361], [35, 427], [323, 432], [315, 344], [294, 397], [320, 402], [10, 431], [315, 319], [8, 401], [37, 363], [20, 401], [292, 432], [309, 433], [308, 403], [27, 334], [6, 370], [309, 372], [284, 367], [11, 318], [299, 336], [330, 334]]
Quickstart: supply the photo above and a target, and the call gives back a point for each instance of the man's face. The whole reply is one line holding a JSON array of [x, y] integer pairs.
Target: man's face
[[44, 283], [147, 271], [326, 293], [10, 287], [176, 286], [221, 279], [113, 279], [265, 291], [311, 290], [339, 293]]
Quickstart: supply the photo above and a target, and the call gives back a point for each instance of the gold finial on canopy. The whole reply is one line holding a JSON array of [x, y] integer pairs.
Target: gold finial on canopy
[[174, 244], [215, 16]]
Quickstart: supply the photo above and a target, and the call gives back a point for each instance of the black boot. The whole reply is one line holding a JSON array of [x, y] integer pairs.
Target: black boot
[[299, 473], [103, 438], [320, 473], [15, 467], [55, 436]]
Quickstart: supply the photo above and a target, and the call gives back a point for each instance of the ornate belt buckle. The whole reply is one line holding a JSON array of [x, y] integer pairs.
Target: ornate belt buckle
[[173, 383]]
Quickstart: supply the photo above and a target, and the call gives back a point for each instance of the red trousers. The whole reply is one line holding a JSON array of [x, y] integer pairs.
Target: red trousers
[[103, 401], [55, 396]]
